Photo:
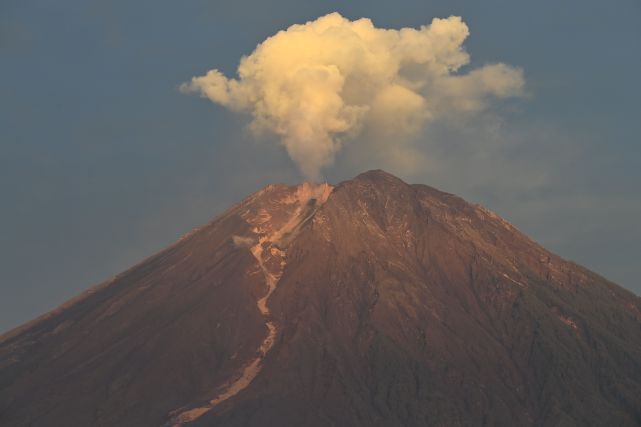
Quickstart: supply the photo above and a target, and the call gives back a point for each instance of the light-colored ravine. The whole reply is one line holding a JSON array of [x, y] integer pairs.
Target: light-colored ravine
[[270, 245], [251, 369]]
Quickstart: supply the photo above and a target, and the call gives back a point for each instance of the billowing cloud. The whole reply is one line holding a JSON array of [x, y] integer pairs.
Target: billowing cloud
[[319, 84]]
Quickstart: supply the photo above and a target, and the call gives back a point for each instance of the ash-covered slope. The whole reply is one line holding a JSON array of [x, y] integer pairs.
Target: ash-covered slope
[[381, 303]]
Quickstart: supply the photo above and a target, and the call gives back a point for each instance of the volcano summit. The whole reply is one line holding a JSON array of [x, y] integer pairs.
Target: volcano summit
[[371, 303]]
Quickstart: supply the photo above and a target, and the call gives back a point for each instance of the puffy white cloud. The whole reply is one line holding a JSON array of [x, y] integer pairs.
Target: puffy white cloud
[[319, 84]]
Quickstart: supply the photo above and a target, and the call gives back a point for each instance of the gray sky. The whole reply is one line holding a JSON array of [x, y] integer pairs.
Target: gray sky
[[104, 162]]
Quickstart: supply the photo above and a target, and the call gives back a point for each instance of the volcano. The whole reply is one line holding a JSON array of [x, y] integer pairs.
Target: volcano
[[369, 303]]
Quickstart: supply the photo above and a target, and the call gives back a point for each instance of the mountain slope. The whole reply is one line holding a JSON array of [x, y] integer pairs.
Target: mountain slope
[[388, 304]]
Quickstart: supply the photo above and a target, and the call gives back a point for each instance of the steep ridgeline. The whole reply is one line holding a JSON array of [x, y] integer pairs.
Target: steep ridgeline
[[372, 303]]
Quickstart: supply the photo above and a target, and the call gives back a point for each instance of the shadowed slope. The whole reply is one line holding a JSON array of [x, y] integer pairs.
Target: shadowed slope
[[155, 338]]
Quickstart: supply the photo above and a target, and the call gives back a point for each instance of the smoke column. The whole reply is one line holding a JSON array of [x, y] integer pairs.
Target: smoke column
[[319, 84]]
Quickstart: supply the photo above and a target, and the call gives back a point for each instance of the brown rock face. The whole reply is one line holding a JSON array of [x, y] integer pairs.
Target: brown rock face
[[372, 303]]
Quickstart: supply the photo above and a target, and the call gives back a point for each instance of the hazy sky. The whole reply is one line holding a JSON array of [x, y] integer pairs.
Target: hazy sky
[[104, 161]]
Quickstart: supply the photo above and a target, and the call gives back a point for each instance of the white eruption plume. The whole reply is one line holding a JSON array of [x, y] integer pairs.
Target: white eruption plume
[[318, 84]]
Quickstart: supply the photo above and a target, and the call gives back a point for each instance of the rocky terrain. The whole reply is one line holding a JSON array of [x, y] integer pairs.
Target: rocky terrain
[[371, 303]]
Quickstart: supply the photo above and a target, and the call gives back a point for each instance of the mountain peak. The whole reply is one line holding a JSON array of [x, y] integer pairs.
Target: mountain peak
[[377, 176], [374, 302]]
